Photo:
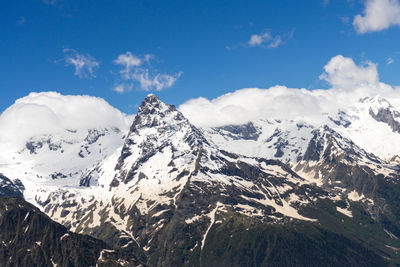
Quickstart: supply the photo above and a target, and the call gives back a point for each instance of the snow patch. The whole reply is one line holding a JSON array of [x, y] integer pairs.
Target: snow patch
[[346, 212], [390, 234], [64, 236], [211, 215], [354, 196], [193, 219]]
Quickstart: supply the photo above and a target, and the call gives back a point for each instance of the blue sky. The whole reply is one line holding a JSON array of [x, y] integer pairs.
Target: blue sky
[[186, 49]]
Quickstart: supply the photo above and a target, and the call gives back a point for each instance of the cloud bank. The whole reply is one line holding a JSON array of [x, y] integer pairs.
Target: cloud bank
[[136, 71], [51, 112], [349, 82], [378, 15]]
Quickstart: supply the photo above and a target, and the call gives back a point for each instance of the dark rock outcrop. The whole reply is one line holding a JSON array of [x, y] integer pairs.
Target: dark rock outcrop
[[30, 238], [388, 116], [9, 188]]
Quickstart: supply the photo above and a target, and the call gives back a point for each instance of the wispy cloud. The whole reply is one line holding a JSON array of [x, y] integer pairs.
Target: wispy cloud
[[259, 39], [136, 71], [85, 65], [264, 40], [122, 88], [277, 41], [378, 15], [129, 61]]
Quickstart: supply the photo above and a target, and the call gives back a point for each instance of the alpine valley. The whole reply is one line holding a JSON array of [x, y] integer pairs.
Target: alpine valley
[[155, 189]]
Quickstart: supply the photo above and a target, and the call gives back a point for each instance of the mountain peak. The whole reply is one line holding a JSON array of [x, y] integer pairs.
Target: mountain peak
[[382, 111], [376, 101], [153, 112], [151, 98], [153, 105], [158, 132]]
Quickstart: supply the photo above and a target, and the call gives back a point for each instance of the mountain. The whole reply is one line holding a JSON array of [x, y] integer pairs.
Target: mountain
[[62, 159], [268, 192], [348, 154], [287, 140]]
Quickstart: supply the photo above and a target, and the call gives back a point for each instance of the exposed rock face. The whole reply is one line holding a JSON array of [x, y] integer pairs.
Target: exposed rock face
[[336, 162], [388, 116], [382, 111], [9, 188], [283, 140], [156, 127], [340, 119], [327, 144], [245, 131]]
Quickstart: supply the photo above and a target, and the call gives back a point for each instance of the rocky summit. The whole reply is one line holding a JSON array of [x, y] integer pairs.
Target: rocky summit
[[167, 193]]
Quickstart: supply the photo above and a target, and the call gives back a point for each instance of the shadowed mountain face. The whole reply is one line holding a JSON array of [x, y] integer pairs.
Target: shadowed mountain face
[[9, 188], [30, 238], [265, 193]]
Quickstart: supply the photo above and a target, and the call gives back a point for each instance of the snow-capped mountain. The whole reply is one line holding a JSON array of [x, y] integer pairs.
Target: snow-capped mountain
[[348, 143], [371, 118], [56, 147], [165, 181], [61, 160], [163, 157], [270, 138]]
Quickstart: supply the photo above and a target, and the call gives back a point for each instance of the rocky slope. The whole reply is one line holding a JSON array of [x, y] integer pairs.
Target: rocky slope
[[30, 238], [9, 188]]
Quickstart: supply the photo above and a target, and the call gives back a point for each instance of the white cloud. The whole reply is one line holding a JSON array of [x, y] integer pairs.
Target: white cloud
[[259, 39], [378, 15], [349, 82], [342, 72], [51, 112], [122, 88], [157, 82], [248, 104], [137, 70], [129, 61], [265, 39], [85, 65]]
